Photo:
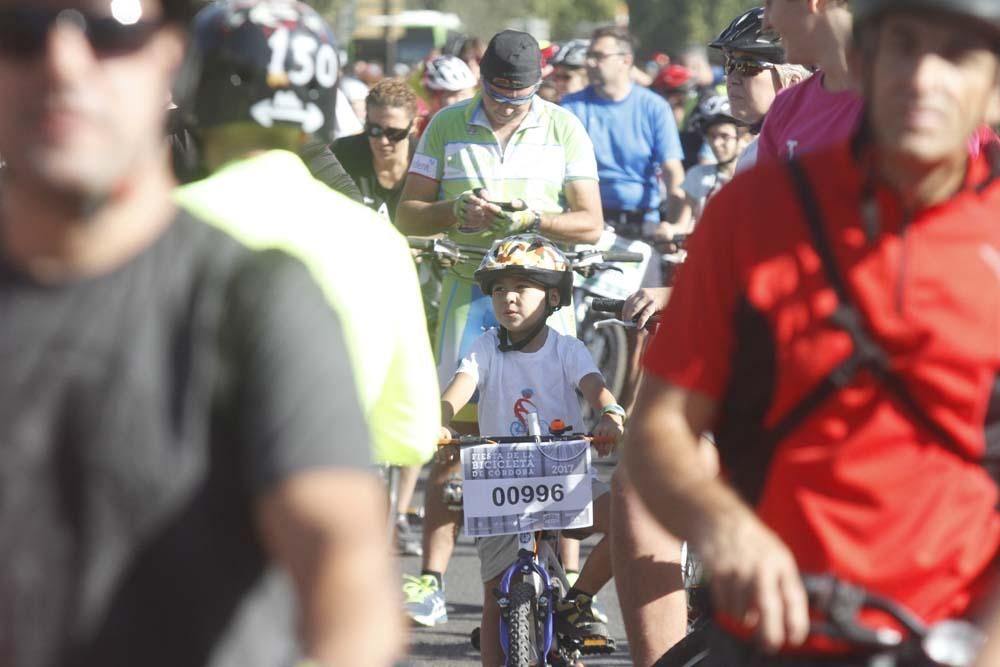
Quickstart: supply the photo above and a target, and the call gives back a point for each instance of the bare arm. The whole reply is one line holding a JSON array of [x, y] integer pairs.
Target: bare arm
[[583, 222], [456, 395], [685, 216], [419, 212], [673, 177], [672, 173], [327, 528], [755, 580], [597, 395], [990, 655]]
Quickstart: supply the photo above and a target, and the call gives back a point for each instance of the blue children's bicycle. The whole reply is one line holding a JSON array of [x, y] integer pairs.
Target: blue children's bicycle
[[530, 586]]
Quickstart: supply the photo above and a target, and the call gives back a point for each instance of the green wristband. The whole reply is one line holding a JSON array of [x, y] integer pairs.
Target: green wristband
[[613, 409]]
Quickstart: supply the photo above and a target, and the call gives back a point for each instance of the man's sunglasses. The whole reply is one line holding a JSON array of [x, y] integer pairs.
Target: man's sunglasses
[[24, 30], [393, 134], [516, 101], [745, 67]]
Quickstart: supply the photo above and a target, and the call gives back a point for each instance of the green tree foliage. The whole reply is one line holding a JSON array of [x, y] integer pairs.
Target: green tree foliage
[[670, 25], [484, 18]]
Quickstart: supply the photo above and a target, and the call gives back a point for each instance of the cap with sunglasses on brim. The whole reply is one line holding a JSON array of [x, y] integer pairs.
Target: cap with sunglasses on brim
[[513, 60]]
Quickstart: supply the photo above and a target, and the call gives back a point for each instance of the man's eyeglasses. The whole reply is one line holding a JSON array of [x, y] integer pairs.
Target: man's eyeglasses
[[393, 134], [599, 57], [516, 101], [24, 30], [745, 67]]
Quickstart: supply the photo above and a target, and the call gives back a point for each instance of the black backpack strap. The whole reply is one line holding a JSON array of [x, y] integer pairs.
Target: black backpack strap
[[867, 353]]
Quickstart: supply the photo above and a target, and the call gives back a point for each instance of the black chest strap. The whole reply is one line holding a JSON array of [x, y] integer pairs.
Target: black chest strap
[[867, 354]]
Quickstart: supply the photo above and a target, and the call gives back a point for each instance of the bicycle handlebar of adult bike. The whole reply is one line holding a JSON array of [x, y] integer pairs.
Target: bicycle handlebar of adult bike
[[620, 256], [613, 306], [616, 307], [473, 440], [840, 604], [418, 243]]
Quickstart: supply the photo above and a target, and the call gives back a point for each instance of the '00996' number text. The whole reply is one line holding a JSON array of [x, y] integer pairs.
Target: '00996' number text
[[515, 495]]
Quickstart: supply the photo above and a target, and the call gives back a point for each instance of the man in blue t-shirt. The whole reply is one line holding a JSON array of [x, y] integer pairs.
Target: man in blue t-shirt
[[635, 139], [633, 131]]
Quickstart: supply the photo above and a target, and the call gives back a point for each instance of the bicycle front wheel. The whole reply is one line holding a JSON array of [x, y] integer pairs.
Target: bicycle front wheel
[[520, 625]]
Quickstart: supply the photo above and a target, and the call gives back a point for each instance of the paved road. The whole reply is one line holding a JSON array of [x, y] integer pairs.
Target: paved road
[[448, 645]]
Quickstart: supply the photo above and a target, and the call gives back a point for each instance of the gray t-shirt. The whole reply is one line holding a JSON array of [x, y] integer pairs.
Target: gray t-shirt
[[142, 413]]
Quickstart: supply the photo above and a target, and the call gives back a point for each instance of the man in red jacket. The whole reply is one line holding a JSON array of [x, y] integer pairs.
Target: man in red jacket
[[839, 336]]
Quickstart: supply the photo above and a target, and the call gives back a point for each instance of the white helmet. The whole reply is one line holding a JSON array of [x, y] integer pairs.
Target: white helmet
[[448, 73], [571, 54]]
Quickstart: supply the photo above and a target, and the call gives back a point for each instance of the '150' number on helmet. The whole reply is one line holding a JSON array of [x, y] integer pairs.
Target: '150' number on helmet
[[310, 59]]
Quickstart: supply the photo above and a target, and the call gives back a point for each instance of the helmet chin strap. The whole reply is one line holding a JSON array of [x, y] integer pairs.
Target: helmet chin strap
[[507, 346]]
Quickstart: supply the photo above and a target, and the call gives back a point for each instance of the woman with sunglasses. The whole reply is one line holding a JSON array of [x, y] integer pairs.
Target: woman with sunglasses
[[755, 73], [378, 158]]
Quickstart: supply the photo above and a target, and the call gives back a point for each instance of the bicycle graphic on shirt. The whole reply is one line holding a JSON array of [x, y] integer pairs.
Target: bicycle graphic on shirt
[[522, 408]]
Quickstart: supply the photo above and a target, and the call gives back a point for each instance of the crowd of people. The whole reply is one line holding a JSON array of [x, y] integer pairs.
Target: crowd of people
[[212, 339]]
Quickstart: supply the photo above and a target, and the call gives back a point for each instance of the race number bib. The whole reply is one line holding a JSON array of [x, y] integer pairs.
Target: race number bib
[[519, 488]]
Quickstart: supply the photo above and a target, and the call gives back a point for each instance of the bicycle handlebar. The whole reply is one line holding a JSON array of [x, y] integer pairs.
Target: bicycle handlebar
[[473, 440], [419, 243], [841, 603], [620, 256], [451, 250], [613, 306]]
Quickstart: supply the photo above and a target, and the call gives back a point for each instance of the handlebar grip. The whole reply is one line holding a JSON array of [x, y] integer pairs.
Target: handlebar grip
[[607, 305], [622, 256], [418, 243]]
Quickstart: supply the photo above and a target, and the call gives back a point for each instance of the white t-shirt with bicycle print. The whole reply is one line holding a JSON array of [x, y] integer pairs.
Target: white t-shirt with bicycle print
[[511, 384]]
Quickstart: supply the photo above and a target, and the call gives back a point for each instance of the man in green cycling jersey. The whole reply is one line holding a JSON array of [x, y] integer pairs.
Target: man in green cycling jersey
[[835, 327], [504, 145]]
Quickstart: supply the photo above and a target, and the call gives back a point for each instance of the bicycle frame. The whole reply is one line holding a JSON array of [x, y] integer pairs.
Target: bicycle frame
[[534, 563]]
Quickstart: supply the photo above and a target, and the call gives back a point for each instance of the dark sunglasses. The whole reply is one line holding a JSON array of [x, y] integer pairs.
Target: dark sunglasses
[[393, 134], [745, 67], [24, 31]]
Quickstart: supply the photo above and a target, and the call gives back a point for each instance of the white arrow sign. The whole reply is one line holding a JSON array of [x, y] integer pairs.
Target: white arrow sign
[[287, 107]]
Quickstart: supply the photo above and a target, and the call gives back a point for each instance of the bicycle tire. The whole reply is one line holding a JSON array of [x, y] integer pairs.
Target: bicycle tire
[[520, 624], [690, 651]]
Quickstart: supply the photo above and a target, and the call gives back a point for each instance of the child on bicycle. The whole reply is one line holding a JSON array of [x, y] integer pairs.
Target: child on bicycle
[[527, 364]]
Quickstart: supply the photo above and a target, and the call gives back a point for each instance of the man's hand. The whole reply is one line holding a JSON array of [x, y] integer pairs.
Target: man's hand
[[520, 220], [474, 212], [665, 231], [644, 304], [610, 428], [754, 579]]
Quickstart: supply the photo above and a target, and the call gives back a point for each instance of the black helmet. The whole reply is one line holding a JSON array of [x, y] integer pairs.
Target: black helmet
[[983, 12], [272, 62], [746, 33]]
